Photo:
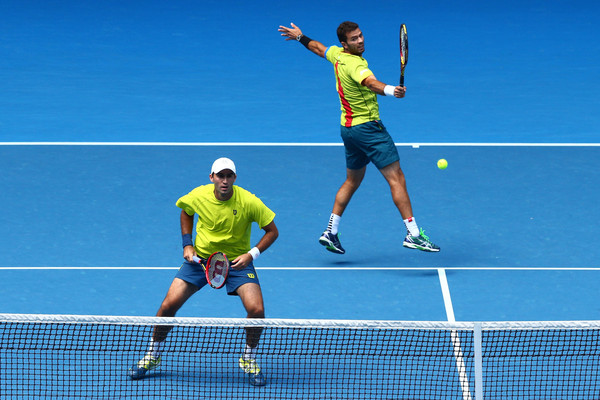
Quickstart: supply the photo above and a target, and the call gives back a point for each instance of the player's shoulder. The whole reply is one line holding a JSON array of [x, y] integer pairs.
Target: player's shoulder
[[246, 197], [202, 189], [333, 52], [201, 192], [242, 193]]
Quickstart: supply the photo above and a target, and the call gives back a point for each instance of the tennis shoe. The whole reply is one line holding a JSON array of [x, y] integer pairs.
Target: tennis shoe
[[420, 242], [332, 242], [251, 368], [144, 365]]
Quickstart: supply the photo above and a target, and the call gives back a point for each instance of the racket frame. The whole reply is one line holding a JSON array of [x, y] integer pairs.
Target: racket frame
[[403, 52], [206, 267]]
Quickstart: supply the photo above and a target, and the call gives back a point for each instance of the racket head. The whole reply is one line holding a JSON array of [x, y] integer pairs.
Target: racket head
[[403, 52], [217, 269]]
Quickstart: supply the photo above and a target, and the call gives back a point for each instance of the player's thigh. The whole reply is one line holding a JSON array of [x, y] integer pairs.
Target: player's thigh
[[355, 176], [179, 292], [252, 298]]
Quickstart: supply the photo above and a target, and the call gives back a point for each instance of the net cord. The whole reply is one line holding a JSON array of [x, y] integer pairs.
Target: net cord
[[300, 323]]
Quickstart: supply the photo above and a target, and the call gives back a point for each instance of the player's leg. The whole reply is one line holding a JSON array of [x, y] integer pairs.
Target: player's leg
[[251, 296], [330, 238], [252, 299], [395, 177], [188, 280], [415, 238], [382, 151], [354, 178], [179, 292]]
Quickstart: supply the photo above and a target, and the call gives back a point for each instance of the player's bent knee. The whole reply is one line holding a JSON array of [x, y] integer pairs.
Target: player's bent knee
[[256, 312], [167, 309]]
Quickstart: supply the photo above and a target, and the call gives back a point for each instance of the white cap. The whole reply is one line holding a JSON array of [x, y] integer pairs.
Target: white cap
[[222, 163]]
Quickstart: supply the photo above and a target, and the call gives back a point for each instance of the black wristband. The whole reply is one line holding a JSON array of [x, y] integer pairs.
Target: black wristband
[[186, 240], [305, 40]]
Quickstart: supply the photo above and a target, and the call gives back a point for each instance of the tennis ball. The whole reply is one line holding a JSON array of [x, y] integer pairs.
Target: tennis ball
[[442, 164]]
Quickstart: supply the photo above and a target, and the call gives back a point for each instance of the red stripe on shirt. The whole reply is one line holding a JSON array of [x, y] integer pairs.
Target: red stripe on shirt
[[345, 104]]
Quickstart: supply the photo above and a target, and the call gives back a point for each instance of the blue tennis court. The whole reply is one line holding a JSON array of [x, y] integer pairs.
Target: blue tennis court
[[112, 111]]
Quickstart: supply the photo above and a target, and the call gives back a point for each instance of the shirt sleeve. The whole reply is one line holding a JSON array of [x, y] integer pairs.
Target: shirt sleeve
[[261, 214], [186, 203], [331, 53], [360, 72], [264, 215]]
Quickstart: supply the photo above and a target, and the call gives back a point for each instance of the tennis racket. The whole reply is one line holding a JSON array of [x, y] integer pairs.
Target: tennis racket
[[216, 269], [403, 52]]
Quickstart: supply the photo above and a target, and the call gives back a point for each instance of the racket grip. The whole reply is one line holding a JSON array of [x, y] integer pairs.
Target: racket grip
[[197, 260], [401, 80]]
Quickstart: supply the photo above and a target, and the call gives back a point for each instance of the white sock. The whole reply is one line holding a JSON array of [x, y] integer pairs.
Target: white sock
[[411, 226], [334, 223], [250, 353], [155, 348]]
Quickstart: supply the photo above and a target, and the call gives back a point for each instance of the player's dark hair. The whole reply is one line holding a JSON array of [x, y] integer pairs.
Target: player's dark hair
[[345, 28]]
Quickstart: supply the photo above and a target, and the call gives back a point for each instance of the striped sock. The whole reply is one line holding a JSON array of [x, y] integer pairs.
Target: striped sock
[[334, 222]]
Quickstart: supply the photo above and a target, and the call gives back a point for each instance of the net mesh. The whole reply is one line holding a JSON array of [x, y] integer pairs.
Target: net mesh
[[78, 357]]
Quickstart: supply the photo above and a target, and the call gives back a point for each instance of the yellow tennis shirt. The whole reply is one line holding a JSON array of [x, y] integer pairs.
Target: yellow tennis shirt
[[224, 225], [358, 103]]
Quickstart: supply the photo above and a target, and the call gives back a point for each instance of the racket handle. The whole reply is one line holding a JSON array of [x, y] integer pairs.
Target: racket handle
[[402, 80], [197, 260]]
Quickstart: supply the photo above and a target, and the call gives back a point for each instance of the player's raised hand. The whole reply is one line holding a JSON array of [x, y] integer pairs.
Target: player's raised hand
[[290, 33]]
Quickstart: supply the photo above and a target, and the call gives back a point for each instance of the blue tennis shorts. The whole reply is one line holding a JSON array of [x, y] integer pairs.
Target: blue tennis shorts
[[194, 273], [368, 142]]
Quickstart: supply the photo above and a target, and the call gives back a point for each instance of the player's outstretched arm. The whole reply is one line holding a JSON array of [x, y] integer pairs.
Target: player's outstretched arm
[[295, 33]]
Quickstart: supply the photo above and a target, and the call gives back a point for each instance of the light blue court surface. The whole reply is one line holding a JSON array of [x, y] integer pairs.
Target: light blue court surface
[[513, 223], [491, 73]]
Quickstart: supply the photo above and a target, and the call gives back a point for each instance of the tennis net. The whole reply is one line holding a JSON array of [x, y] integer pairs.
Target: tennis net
[[76, 357]]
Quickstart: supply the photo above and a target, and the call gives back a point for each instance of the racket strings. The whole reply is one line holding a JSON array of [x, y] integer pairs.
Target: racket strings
[[217, 269]]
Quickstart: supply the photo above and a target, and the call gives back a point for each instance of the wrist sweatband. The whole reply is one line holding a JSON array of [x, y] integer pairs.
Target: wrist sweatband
[[186, 240], [254, 252], [305, 40], [388, 90]]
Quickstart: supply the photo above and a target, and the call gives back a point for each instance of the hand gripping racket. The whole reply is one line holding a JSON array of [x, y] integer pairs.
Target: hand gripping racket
[[403, 52], [216, 269]]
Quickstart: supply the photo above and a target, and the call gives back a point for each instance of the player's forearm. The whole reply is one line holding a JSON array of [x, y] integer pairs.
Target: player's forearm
[[382, 89], [317, 47], [375, 86], [271, 234]]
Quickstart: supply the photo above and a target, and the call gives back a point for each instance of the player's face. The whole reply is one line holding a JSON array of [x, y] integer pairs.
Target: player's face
[[355, 42], [223, 181]]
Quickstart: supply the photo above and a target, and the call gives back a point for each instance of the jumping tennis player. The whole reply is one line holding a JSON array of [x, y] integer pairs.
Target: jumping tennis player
[[365, 138], [225, 216]]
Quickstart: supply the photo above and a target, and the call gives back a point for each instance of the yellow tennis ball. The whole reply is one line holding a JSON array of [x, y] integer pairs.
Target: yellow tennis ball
[[442, 164]]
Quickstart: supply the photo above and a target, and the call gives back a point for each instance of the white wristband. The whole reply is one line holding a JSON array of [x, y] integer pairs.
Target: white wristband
[[388, 90], [254, 252]]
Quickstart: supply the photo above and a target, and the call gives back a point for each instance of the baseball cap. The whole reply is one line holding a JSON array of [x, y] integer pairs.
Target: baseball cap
[[222, 163]]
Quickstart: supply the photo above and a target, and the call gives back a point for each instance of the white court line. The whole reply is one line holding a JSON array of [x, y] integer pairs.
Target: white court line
[[458, 353], [291, 144], [446, 295]]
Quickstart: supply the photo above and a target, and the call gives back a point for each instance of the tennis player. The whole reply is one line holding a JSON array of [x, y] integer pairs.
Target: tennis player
[[225, 215], [365, 137]]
